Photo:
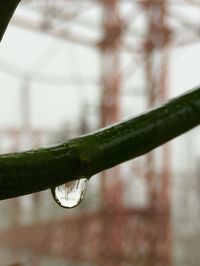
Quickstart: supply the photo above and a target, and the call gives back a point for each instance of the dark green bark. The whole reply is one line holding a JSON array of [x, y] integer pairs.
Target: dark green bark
[[7, 8], [27, 172]]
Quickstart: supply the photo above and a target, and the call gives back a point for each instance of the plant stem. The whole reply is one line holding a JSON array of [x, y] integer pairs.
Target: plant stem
[[7, 8], [35, 170]]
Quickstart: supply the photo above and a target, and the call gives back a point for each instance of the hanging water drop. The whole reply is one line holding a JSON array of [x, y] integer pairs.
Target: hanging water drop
[[69, 195]]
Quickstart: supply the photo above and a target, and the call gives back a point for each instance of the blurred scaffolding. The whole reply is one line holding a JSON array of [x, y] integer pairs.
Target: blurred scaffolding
[[131, 219]]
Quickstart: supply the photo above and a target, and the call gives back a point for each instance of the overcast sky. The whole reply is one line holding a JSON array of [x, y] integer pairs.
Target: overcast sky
[[56, 97]]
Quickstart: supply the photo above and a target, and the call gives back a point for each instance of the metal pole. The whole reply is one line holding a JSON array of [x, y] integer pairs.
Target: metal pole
[[111, 188]]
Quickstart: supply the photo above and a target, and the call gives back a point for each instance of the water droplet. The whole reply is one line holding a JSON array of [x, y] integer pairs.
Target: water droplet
[[69, 195]]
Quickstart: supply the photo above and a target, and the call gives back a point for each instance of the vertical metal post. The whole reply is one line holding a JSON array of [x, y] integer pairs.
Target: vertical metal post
[[25, 105], [111, 189], [111, 184], [156, 69]]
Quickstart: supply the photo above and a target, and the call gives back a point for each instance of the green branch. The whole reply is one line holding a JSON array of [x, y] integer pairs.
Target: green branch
[[7, 8], [36, 170]]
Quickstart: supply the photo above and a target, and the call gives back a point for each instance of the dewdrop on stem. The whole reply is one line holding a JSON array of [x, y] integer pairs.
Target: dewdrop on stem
[[70, 195]]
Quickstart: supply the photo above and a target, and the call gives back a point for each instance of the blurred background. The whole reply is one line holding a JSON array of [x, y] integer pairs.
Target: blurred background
[[68, 67]]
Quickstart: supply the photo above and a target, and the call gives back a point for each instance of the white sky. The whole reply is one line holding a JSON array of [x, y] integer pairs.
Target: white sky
[[51, 104], [59, 102]]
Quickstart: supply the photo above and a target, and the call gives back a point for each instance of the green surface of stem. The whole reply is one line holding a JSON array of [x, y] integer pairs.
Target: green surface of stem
[[32, 171], [7, 8]]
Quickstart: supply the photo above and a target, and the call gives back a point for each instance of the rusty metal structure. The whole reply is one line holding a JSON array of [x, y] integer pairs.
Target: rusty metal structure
[[116, 234]]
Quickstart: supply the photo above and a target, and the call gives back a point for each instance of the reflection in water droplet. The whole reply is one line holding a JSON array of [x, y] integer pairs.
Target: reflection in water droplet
[[70, 194]]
